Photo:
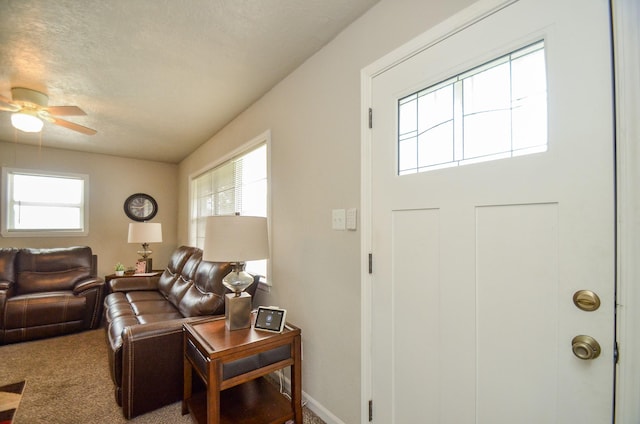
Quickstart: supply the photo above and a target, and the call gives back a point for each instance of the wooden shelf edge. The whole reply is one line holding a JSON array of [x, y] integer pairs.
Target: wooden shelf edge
[[254, 402]]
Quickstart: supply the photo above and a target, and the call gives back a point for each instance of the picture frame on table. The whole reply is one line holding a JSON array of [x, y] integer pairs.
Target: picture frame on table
[[141, 267]]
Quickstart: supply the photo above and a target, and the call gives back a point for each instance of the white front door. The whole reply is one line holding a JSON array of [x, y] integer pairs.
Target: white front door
[[475, 266]]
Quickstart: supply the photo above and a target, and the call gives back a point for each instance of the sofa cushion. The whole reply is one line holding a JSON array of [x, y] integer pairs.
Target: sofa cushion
[[40, 309], [178, 290], [176, 264], [159, 317], [183, 279], [45, 270], [166, 281], [205, 294], [195, 303], [150, 307], [138, 307], [208, 278], [116, 305], [141, 296], [188, 272]]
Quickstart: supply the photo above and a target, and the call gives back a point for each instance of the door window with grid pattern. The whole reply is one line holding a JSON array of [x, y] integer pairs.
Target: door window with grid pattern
[[497, 110]]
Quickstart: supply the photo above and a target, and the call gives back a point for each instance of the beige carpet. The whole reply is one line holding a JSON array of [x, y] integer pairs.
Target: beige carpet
[[68, 382]]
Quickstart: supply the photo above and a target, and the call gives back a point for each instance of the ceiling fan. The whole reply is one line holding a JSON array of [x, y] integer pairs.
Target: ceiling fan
[[31, 107]]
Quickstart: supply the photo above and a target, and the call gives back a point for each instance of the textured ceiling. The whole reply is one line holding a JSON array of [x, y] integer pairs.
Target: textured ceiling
[[157, 78]]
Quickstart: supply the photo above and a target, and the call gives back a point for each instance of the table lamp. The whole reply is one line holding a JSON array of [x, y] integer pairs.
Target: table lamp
[[236, 239], [145, 233]]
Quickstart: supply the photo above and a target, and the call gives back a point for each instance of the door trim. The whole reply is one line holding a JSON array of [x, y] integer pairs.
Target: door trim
[[625, 16], [626, 68]]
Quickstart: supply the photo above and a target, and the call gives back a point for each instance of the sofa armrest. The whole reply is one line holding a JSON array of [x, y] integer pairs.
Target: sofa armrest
[[134, 283], [152, 368], [7, 289], [5, 284], [134, 333], [88, 284]]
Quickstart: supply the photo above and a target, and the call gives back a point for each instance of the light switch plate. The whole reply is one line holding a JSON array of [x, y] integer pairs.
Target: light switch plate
[[352, 219], [338, 219]]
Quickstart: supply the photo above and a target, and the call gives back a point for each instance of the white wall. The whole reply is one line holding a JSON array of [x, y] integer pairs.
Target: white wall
[[111, 180], [314, 118]]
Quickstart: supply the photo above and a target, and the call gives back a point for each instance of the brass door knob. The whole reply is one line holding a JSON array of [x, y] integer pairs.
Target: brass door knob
[[585, 347]]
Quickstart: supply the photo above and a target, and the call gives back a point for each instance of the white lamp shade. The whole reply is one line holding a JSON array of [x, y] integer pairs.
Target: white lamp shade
[[145, 232], [235, 238], [26, 122]]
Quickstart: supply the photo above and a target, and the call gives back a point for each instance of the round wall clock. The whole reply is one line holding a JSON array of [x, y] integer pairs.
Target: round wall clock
[[140, 207]]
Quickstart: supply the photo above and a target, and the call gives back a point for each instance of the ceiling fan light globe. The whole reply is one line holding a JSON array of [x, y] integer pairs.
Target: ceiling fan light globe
[[26, 122]]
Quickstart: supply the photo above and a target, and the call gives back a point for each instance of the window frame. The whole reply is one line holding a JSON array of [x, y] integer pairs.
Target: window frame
[[262, 139], [6, 226]]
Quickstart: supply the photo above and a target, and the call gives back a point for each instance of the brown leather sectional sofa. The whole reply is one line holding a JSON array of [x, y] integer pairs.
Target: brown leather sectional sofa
[[144, 318], [48, 292]]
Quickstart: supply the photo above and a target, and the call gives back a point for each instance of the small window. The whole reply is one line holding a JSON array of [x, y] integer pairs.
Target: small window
[[44, 204], [238, 185], [494, 111]]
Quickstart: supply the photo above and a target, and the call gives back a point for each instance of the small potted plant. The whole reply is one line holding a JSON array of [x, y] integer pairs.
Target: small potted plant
[[119, 268]]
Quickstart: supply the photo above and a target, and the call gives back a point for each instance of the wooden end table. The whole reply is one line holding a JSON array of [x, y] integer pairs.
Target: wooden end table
[[246, 398], [110, 277]]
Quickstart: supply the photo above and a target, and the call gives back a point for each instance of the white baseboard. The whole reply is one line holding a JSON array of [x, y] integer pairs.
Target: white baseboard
[[323, 413], [316, 407]]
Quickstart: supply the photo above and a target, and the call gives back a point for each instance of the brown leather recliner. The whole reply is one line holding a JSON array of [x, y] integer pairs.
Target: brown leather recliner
[[48, 292], [144, 319]]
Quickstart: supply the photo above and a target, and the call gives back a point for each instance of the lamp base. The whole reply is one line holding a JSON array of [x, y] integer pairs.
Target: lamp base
[[237, 311]]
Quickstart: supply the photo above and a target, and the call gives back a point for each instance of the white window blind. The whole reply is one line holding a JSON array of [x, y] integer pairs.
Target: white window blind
[[238, 185]]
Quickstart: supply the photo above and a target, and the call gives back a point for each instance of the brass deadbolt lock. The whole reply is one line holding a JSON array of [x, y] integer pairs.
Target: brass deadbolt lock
[[586, 300]]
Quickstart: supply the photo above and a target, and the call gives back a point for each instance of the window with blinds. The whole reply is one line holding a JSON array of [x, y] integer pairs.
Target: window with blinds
[[238, 185]]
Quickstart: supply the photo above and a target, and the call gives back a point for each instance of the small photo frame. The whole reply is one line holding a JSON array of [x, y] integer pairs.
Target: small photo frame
[[270, 318], [141, 267]]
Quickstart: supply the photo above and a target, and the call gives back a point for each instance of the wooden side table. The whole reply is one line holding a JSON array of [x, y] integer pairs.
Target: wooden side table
[[110, 277], [210, 350]]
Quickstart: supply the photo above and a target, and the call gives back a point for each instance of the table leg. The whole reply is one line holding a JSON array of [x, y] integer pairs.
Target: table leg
[[187, 388], [213, 392], [296, 380]]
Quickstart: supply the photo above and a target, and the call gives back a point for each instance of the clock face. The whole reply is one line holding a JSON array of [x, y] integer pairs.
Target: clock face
[[140, 207]]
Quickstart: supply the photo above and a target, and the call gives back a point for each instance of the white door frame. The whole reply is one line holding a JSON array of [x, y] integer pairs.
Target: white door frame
[[626, 15]]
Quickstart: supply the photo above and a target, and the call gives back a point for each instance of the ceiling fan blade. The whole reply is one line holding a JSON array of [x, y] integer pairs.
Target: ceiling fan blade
[[6, 105], [72, 126], [9, 108], [65, 111]]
